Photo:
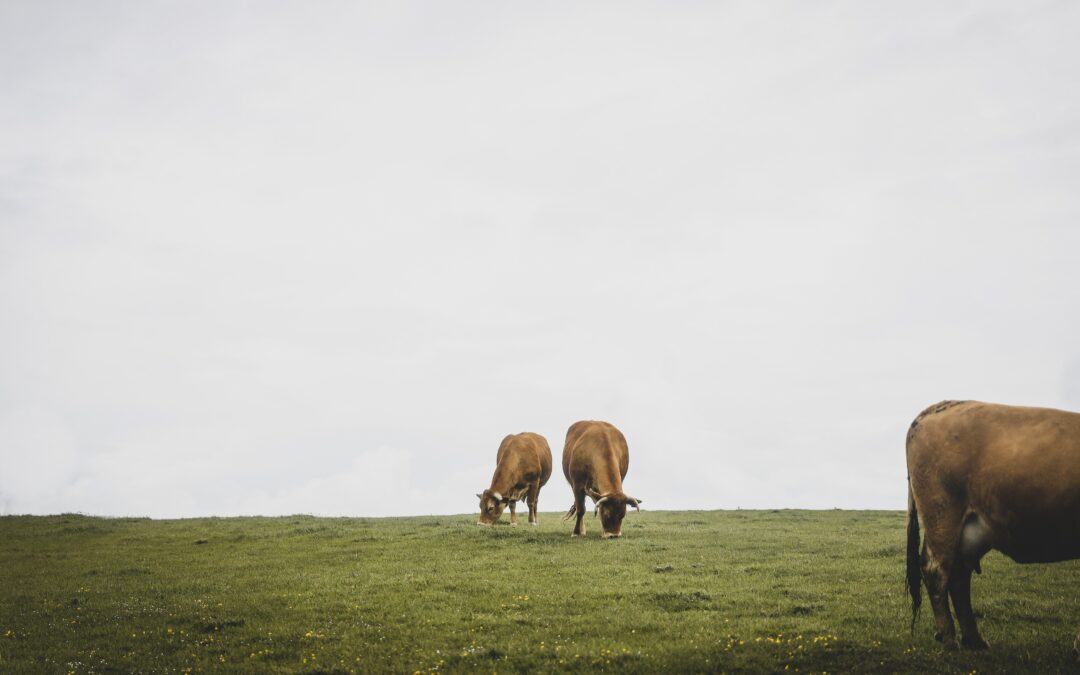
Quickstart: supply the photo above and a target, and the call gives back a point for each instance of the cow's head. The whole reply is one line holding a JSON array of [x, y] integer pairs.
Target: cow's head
[[491, 506], [612, 509]]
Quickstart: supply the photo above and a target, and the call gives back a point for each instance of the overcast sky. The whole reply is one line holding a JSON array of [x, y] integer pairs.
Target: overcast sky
[[273, 258]]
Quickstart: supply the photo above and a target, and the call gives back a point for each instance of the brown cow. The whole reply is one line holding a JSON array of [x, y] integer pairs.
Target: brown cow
[[522, 467], [984, 476], [594, 461]]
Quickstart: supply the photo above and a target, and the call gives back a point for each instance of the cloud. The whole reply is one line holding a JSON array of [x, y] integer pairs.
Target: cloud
[[40, 456], [381, 482], [324, 261]]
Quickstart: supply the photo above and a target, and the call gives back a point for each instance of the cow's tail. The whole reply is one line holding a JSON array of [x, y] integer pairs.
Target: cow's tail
[[914, 571], [571, 512]]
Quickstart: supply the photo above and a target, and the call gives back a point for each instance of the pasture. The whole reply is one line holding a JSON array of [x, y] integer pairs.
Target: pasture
[[716, 591]]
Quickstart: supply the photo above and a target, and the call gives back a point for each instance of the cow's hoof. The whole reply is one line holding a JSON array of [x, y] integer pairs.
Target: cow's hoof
[[483, 524], [975, 643], [535, 523], [513, 524], [948, 642]]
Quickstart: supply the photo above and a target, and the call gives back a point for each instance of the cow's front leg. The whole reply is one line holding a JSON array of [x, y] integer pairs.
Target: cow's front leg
[[513, 512], [579, 506]]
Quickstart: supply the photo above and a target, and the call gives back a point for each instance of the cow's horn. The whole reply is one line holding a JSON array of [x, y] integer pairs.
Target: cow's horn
[[596, 510], [479, 495], [497, 496]]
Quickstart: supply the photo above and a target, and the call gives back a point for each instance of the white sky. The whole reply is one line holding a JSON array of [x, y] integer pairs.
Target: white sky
[[269, 258]]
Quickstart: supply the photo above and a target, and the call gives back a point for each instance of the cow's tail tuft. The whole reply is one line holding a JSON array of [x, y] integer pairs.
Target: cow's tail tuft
[[571, 512], [914, 571]]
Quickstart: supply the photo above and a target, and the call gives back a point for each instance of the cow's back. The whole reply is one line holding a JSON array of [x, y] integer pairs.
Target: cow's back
[[1018, 467], [526, 455], [591, 441], [543, 455]]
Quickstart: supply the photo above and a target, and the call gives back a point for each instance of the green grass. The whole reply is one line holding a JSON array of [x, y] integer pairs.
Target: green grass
[[727, 591]]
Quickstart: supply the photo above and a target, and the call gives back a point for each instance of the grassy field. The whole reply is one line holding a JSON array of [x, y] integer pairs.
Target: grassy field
[[717, 591]]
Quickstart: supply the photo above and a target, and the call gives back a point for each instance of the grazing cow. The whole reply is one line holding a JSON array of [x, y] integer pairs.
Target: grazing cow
[[522, 467], [984, 476], [594, 461]]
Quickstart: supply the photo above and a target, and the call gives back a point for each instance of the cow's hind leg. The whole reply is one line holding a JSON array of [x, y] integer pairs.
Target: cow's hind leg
[[975, 541], [532, 498], [939, 557], [579, 505], [937, 587], [960, 592]]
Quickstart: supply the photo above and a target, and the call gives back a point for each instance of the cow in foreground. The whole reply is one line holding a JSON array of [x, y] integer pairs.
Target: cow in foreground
[[595, 460], [522, 467], [984, 476]]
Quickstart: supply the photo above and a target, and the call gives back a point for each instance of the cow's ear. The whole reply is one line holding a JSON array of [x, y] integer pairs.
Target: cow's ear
[[633, 502]]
